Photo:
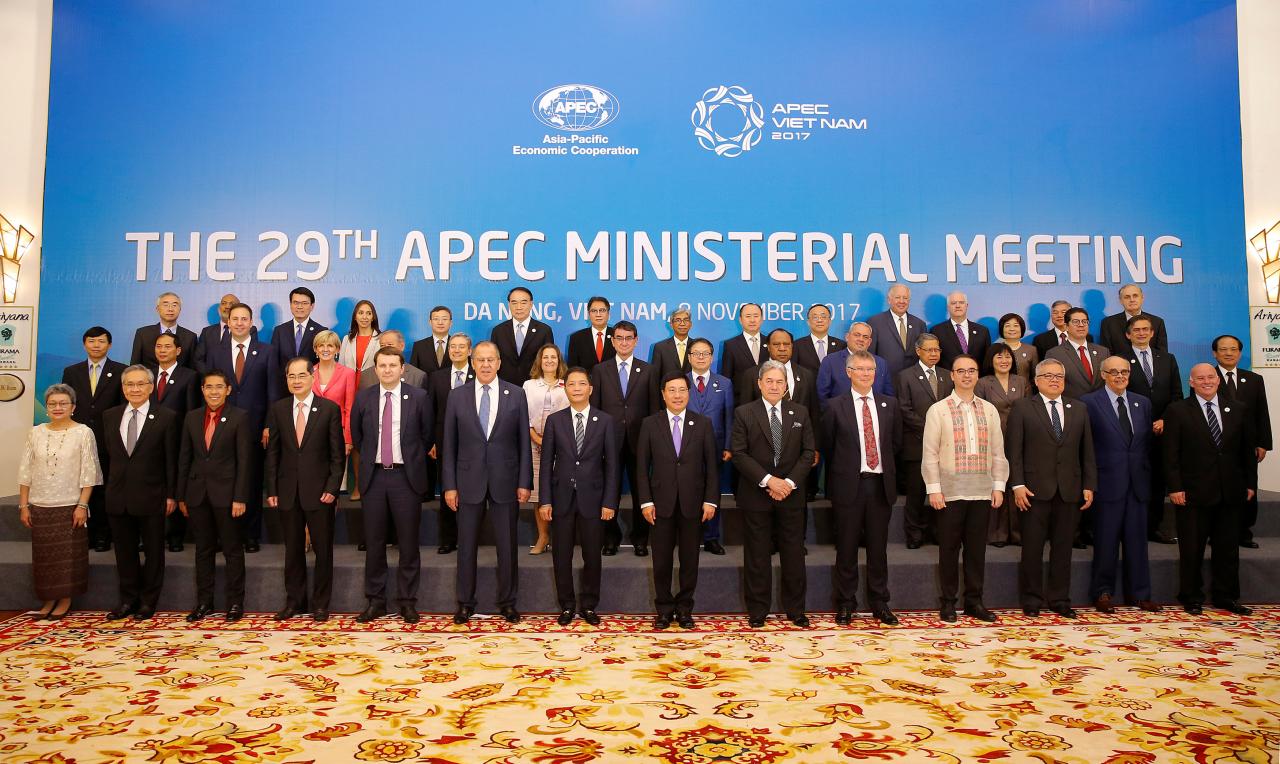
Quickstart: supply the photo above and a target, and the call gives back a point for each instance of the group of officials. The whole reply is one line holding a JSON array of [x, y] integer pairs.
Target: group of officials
[[990, 442]]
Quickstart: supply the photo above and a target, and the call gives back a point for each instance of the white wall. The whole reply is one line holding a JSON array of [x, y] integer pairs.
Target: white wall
[[25, 35]]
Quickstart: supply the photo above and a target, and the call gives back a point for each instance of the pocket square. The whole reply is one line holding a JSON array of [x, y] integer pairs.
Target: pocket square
[[795, 425]]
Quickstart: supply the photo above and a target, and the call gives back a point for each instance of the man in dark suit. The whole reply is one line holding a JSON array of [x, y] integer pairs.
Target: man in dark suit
[[895, 331], [214, 334], [711, 395], [292, 339], [578, 485], [1081, 358], [1054, 475], [177, 389], [833, 380], [306, 459], [746, 350], [593, 344], [1153, 374], [861, 435], [1056, 334], [678, 487], [818, 343], [168, 307], [487, 465], [1211, 470], [1115, 328], [457, 372], [391, 425], [958, 334], [216, 443], [142, 451], [432, 353], [519, 339], [672, 354], [773, 449], [1249, 388], [802, 386], [97, 385], [1120, 421], [628, 406], [246, 363], [919, 387], [409, 374]]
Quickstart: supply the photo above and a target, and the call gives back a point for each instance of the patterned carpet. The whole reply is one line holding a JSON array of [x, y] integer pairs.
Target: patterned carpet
[[1128, 688]]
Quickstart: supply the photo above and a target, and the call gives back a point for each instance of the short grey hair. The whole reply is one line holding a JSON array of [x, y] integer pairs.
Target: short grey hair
[[925, 337], [399, 335], [151, 378], [677, 312], [174, 295], [769, 366], [462, 335], [1050, 362], [859, 355], [59, 389]]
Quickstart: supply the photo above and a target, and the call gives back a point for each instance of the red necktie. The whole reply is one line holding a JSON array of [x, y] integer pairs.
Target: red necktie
[[162, 384], [599, 346], [869, 436], [209, 420], [701, 385], [1084, 361], [239, 368]]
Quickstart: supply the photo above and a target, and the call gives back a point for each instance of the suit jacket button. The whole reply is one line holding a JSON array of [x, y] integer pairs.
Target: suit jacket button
[[577, 464]]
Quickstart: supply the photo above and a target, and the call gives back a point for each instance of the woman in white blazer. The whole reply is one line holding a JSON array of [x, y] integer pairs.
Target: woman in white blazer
[[361, 343]]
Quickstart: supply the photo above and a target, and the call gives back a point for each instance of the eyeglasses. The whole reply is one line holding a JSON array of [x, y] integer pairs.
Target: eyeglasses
[[1116, 372], [1079, 322], [297, 377], [966, 372], [699, 354], [862, 369], [1051, 377]]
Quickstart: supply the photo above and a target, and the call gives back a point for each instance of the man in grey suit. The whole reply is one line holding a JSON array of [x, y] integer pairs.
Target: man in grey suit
[[894, 331], [1081, 358], [487, 464], [1053, 474], [410, 375]]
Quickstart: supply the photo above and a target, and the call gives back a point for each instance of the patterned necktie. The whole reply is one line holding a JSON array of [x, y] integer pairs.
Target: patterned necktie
[[161, 384], [1126, 426], [1146, 367], [675, 434], [239, 368], [702, 385], [902, 331], [300, 422], [93, 379], [1084, 361], [599, 346], [964, 340], [457, 378], [210, 421], [297, 339], [484, 410], [622, 378], [1215, 429], [579, 432], [384, 436], [775, 431], [1055, 420], [1062, 338], [439, 352], [131, 436], [222, 334], [869, 445], [755, 349], [519, 339], [933, 382]]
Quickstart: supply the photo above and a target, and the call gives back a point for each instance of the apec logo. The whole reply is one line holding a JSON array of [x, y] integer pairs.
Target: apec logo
[[576, 108]]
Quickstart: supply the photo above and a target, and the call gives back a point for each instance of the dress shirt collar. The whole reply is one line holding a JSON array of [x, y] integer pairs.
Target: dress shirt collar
[[680, 414], [142, 410], [307, 402], [768, 407], [395, 391], [1113, 397], [168, 370], [619, 360], [585, 412]]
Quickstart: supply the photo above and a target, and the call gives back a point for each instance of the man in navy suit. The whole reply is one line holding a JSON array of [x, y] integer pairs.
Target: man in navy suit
[[245, 362], [292, 339], [1121, 423], [958, 335], [711, 395], [168, 307], [212, 335], [96, 381], [391, 425], [833, 381], [578, 484], [487, 464], [519, 339], [895, 330], [177, 389]]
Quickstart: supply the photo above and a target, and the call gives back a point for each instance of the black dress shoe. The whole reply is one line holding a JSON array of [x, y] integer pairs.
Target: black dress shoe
[[713, 546], [914, 544], [685, 620], [463, 614], [510, 614], [641, 550], [981, 613], [566, 617], [1031, 612], [1234, 606], [1160, 537], [591, 617], [948, 614], [201, 611], [1079, 544], [1001, 544], [362, 548], [101, 545], [801, 621], [144, 614], [409, 614], [122, 611], [1249, 544], [844, 617], [287, 612], [446, 548], [885, 615], [756, 622], [609, 550], [319, 615], [372, 612], [235, 613], [1194, 608], [251, 546], [662, 621], [175, 546], [1063, 610]]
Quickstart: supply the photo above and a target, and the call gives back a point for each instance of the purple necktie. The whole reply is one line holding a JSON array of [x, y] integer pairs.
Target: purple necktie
[[387, 458], [675, 433], [964, 341]]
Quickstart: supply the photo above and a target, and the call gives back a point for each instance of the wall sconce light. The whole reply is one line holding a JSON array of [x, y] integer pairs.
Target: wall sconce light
[[14, 243], [1266, 245]]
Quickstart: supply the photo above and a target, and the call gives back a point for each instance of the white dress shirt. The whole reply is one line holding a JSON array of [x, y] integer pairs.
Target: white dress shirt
[[306, 410], [397, 455], [143, 410], [494, 392], [248, 350], [875, 427]]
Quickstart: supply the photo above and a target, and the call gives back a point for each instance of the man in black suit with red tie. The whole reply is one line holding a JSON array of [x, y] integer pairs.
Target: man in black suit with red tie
[[628, 405], [177, 389], [519, 339], [958, 335], [746, 350], [773, 448], [97, 385], [306, 459], [1211, 470], [578, 484], [217, 443], [861, 435], [168, 307], [293, 338], [432, 353], [142, 454], [391, 426], [818, 343], [1153, 373], [457, 372], [594, 344], [678, 487], [1251, 389]]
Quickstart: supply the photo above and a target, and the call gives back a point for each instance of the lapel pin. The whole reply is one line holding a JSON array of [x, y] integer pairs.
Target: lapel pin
[[919, 377], [595, 419], [1227, 410], [884, 405], [254, 352], [533, 329], [223, 419], [1135, 404], [108, 374], [791, 413], [504, 392], [406, 396], [151, 416], [1132, 360], [315, 408], [1068, 405]]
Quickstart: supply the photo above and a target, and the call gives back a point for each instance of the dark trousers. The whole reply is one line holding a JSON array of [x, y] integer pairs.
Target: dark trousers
[[446, 520], [1120, 524], [963, 523], [711, 528], [1155, 507], [296, 521], [866, 519], [210, 526], [917, 516], [391, 500], [99, 525], [502, 521], [682, 533], [251, 520], [587, 530], [1053, 520], [761, 530], [176, 528], [639, 530], [1197, 523], [1248, 516], [1002, 523], [140, 580]]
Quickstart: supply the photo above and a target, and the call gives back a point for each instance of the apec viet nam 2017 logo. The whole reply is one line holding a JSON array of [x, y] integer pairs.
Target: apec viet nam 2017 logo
[[576, 108], [728, 120]]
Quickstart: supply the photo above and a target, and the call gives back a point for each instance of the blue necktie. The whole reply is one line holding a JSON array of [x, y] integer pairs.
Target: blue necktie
[[622, 377], [1055, 420], [484, 410], [297, 339]]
